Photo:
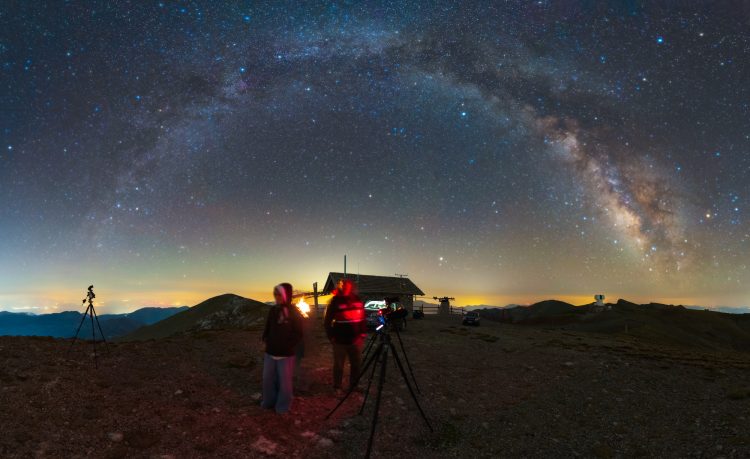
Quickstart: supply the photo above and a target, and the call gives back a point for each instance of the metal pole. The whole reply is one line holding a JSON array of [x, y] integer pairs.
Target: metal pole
[[315, 295]]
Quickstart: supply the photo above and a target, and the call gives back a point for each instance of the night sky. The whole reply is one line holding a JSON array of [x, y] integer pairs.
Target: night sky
[[497, 152]]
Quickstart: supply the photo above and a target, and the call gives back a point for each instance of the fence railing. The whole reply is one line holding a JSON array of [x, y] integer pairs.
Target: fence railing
[[430, 309]]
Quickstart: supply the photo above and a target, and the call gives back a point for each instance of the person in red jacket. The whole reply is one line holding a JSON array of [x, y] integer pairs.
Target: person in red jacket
[[346, 329], [282, 333]]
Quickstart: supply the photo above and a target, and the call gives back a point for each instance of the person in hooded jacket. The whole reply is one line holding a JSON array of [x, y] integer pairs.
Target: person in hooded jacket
[[282, 334], [346, 329]]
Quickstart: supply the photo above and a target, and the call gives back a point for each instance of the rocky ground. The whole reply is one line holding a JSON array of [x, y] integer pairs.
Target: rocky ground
[[497, 390]]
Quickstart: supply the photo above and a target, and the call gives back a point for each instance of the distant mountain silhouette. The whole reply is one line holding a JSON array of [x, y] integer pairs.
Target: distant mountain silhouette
[[226, 311], [471, 307], [149, 316], [64, 324], [655, 322], [727, 309], [544, 311]]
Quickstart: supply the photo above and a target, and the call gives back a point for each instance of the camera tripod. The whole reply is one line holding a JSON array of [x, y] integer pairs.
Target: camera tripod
[[380, 357], [374, 338], [91, 313]]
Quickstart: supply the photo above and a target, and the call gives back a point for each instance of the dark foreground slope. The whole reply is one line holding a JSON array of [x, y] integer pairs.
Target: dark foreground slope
[[653, 322], [499, 390]]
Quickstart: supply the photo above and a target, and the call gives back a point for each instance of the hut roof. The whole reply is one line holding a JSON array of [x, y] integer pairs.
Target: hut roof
[[374, 284]]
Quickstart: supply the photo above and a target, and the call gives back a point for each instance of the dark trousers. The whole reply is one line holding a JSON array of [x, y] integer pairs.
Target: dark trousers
[[340, 353]]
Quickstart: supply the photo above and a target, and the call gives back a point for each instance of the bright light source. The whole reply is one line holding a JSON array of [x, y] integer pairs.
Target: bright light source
[[304, 308]]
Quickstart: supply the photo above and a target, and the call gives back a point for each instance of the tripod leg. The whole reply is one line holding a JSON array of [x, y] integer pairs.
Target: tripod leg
[[406, 357], [383, 366], [367, 391], [351, 389], [106, 344], [406, 380], [93, 335], [370, 345], [78, 330]]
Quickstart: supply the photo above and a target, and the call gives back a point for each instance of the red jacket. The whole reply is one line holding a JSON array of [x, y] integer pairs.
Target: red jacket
[[345, 320]]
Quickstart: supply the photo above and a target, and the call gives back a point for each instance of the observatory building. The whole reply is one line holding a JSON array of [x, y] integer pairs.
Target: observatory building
[[599, 304], [377, 287]]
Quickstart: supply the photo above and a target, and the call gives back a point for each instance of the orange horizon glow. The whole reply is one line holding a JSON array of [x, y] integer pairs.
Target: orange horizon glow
[[112, 302]]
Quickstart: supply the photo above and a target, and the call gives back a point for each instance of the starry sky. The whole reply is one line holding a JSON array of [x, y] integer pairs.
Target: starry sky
[[498, 152]]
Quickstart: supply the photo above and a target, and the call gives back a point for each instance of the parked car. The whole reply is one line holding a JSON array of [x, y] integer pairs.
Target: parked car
[[471, 318], [371, 313]]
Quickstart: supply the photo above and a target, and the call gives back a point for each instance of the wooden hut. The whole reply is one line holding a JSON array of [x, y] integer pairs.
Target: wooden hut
[[377, 287]]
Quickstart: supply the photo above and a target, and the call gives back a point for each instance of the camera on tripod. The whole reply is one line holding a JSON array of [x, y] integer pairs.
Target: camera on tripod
[[90, 313], [90, 295], [392, 311]]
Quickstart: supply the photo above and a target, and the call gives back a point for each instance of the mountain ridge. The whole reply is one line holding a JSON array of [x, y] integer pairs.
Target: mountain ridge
[[656, 322], [226, 311], [64, 324]]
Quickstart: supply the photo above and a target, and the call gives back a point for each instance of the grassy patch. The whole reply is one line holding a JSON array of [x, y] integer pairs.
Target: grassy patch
[[739, 393], [740, 440], [602, 451], [485, 337], [6, 377], [456, 331], [208, 335]]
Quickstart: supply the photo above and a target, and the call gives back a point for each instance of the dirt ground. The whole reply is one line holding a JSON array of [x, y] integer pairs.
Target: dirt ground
[[497, 390]]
